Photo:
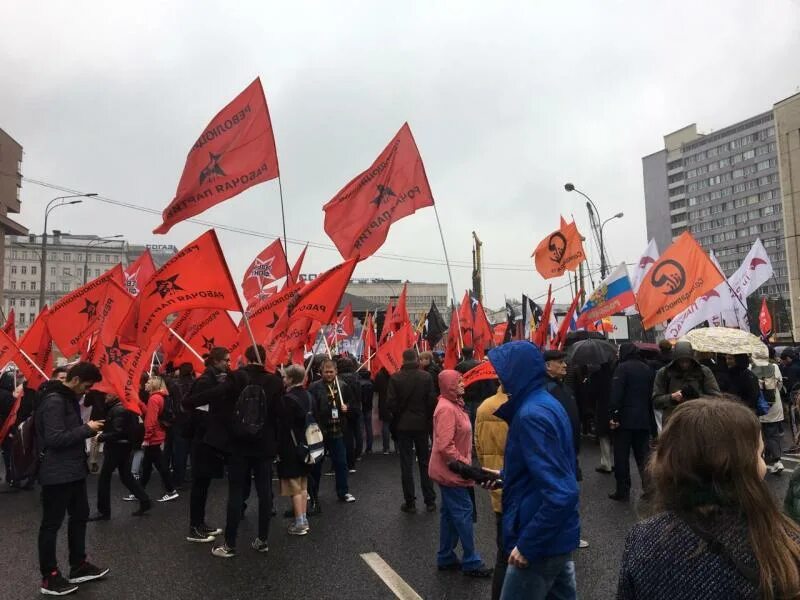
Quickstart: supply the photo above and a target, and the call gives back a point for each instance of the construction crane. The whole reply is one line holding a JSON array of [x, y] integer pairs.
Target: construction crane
[[477, 268]]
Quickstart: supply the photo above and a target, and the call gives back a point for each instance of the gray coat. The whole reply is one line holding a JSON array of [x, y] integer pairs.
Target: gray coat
[[698, 379], [62, 437]]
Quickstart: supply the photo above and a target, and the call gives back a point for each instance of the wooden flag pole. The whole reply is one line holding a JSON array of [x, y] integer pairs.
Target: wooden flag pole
[[252, 337], [449, 272], [33, 364], [283, 220], [185, 343]]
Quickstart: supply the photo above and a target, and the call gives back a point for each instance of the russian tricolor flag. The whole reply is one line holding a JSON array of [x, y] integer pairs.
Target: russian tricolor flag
[[614, 294]]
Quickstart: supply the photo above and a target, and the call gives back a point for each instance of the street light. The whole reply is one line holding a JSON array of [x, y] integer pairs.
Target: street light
[[619, 215], [592, 206], [97, 242], [48, 208]]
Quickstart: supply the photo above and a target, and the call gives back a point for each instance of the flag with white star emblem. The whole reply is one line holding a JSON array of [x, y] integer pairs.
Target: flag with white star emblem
[[139, 272], [266, 268]]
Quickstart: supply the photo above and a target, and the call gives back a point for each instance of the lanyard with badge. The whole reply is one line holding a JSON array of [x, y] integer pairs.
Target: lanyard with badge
[[334, 408]]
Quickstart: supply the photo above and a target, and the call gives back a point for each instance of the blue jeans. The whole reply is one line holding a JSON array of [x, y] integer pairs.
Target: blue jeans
[[455, 523], [551, 578], [338, 454], [386, 436]]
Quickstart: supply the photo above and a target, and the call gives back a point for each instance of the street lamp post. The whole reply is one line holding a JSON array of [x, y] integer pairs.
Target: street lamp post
[[592, 206], [94, 243], [48, 208]]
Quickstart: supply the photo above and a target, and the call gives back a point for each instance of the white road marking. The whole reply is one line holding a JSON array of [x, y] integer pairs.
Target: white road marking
[[390, 577], [791, 458]]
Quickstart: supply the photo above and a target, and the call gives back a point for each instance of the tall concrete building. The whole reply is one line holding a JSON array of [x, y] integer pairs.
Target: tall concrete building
[[10, 192], [418, 295], [71, 261], [726, 189]]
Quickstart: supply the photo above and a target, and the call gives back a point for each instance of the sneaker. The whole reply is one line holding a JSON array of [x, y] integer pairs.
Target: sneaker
[[169, 496], [223, 551], [454, 566], [55, 585], [198, 534], [129, 498], [314, 508], [295, 529], [210, 530], [329, 474], [583, 544], [351, 471], [259, 545], [348, 498], [775, 468], [481, 572], [86, 571]]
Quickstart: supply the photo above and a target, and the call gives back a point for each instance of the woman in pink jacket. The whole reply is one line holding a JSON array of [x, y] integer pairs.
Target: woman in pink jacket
[[452, 440], [154, 437]]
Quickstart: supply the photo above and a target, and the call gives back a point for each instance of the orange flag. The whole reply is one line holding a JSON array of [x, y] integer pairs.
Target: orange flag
[[543, 328], [78, 313], [235, 151], [358, 218], [196, 277], [679, 277], [563, 328], [560, 251]]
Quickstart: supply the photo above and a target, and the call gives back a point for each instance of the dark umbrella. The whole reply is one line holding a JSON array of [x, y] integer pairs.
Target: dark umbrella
[[592, 352]]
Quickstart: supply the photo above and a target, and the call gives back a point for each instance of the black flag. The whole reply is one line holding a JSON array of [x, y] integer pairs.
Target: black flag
[[511, 319], [435, 327]]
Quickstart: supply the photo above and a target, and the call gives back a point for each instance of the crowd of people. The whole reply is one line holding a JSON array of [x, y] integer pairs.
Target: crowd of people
[[704, 430]]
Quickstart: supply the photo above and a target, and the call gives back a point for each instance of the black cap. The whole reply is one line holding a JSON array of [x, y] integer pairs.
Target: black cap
[[789, 353], [553, 355]]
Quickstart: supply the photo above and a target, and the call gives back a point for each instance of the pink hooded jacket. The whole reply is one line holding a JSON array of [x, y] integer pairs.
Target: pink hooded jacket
[[452, 433]]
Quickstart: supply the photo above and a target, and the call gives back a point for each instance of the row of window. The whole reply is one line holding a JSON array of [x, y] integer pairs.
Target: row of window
[[744, 186], [23, 269], [778, 289], [758, 136], [742, 249], [753, 213], [731, 160], [66, 256], [733, 234], [725, 177], [22, 302]]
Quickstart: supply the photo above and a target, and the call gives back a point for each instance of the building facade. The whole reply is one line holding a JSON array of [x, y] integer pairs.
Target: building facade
[[72, 260], [10, 192], [418, 295], [725, 188]]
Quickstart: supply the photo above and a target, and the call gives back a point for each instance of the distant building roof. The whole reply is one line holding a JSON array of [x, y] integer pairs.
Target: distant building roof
[[359, 304]]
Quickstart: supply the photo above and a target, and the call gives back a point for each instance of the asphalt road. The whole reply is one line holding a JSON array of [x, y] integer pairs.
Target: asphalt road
[[149, 557]]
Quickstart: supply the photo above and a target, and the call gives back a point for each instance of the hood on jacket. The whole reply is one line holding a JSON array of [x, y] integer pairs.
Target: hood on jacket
[[628, 351], [741, 362], [7, 381], [683, 350], [520, 368], [448, 382]]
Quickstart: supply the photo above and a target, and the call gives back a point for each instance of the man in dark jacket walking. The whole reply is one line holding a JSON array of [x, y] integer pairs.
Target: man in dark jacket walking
[[411, 403], [121, 425], [249, 455], [62, 472], [541, 525], [177, 444], [631, 408]]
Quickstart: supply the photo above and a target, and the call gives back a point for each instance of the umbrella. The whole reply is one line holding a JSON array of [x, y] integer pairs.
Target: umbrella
[[725, 340], [592, 352]]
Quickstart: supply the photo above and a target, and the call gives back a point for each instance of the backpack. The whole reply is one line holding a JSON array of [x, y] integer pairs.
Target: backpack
[[249, 412], [25, 454], [767, 382], [314, 448], [167, 417], [134, 428]]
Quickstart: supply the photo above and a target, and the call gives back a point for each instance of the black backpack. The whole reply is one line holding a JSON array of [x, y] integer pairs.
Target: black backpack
[[249, 412], [167, 416], [25, 454], [134, 428]]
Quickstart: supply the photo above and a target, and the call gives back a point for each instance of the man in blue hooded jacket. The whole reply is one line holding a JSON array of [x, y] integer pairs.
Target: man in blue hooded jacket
[[541, 526]]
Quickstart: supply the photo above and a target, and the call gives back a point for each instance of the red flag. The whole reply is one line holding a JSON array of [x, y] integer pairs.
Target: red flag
[[483, 371], [343, 326], [38, 345], [541, 334], [111, 313], [466, 319], [170, 345], [235, 152], [391, 353], [563, 329], [499, 332], [122, 365], [267, 267], [294, 274], [9, 353], [764, 319], [210, 327], [482, 332], [196, 277], [400, 312], [370, 340], [139, 272], [358, 218], [10, 328], [453, 348], [319, 299], [77, 313], [387, 321]]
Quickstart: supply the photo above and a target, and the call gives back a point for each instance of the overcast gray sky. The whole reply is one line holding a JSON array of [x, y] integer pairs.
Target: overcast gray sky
[[507, 102]]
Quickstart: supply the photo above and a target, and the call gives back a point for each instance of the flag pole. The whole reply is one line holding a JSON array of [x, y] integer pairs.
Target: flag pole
[[33, 364], [283, 220], [185, 343], [449, 272], [252, 337]]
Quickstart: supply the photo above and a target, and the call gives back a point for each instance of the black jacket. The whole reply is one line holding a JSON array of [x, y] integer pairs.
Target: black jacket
[[631, 402], [564, 394], [743, 383], [222, 398], [119, 424], [411, 399], [433, 370], [292, 409], [351, 379], [321, 405], [62, 437], [381, 386]]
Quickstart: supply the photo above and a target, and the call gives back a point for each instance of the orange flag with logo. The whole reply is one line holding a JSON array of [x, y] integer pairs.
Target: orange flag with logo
[[679, 277], [560, 251], [196, 277], [358, 218], [235, 151]]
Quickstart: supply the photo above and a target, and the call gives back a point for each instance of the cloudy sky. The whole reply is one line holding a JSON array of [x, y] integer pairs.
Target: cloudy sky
[[507, 101]]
